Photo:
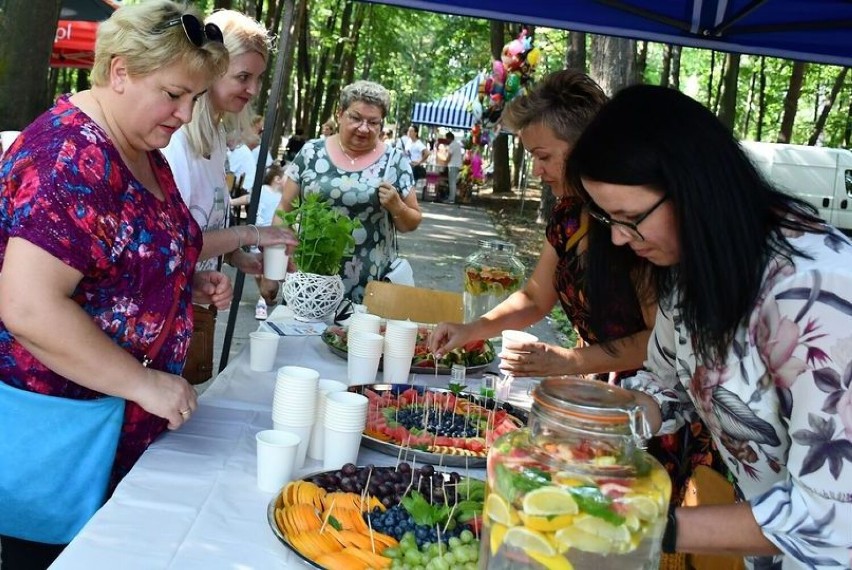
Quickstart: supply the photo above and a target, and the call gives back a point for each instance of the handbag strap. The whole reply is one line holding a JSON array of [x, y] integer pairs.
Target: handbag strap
[[161, 338], [391, 156]]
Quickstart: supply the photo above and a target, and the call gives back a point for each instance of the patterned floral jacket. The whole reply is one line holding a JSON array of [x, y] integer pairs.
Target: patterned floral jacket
[[780, 408]]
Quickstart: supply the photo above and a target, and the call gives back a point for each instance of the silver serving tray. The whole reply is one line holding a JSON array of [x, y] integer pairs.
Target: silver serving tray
[[408, 454], [270, 519]]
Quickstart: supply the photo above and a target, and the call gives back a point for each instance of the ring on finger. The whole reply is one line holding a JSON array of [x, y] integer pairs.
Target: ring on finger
[[185, 412]]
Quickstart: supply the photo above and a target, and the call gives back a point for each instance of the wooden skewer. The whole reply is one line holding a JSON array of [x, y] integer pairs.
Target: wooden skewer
[[372, 538], [330, 510]]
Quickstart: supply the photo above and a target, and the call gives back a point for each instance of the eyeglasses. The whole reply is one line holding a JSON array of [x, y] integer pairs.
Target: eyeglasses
[[628, 229], [196, 32], [358, 122]]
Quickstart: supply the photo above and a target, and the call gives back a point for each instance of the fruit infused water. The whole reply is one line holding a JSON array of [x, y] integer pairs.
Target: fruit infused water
[[490, 276], [575, 489]]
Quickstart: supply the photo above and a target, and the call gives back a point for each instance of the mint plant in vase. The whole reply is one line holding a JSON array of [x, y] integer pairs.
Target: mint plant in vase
[[325, 240]]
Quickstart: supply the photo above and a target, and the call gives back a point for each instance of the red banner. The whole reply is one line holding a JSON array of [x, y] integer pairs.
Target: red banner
[[74, 45]]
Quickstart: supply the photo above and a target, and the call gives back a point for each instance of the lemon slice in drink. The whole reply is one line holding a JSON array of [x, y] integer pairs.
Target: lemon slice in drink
[[546, 523], [549, 501], [497, 533], [555, 562], [601, 528], [499, 511], [529, 541], [643, 507], [572, 537]]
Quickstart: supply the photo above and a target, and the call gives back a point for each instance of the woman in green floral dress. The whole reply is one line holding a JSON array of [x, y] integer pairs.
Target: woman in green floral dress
[[362, 176]]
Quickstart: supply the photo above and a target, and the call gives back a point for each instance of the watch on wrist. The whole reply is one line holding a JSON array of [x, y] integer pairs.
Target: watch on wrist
[[670, 534]]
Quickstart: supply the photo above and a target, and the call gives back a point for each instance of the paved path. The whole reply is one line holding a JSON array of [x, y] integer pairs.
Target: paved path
[[437, 250]]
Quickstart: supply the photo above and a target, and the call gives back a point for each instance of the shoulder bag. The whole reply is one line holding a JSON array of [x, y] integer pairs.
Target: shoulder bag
[[56, 457], [399, 271]]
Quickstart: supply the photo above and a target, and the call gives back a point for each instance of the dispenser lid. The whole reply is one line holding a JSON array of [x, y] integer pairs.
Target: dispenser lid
[[497, 245], [586, 400]]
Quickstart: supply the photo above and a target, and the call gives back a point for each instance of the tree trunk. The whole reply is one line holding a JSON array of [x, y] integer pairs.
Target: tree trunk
[[273, 22], [352, 50], [719, 83], [612, 62], [709, 103], [749, 103], [575, 54], [343, 39], [826, 108], [285, 96], [517, 160], [223, 4], [500, 144], [27, 29], [791, 102], [641, 62], [728, 102], [847, 132], [674, 72], [303, 70], [319, 86], [761, 104], [667, 65]]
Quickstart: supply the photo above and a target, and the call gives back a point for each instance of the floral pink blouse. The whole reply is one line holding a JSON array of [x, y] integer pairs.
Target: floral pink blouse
[[780, 407], [65, 189]]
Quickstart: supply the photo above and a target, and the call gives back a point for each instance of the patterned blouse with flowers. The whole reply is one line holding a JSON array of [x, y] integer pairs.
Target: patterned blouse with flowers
[[780, 405], [65, 189], [678, 452], [355, 193]]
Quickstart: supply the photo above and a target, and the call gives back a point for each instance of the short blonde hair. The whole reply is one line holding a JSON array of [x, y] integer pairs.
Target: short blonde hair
[[134, 32], [242, 35]]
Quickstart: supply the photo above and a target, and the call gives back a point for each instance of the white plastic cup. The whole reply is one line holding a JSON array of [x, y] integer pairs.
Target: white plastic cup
[[263, 347], [362, 369], [276, 459], [344, 450], [275, 262], [365, 322], [395, 369], [325, 387], [304, 435]]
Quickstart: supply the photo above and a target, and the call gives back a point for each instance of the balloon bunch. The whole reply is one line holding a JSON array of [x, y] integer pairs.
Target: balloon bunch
[[510, 76]]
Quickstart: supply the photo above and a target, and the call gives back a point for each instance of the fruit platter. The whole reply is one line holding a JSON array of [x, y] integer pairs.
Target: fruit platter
[[475, 356], [434, 425], [403, 517]]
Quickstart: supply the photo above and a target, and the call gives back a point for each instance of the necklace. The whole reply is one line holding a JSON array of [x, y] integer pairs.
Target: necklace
[[352, 161]]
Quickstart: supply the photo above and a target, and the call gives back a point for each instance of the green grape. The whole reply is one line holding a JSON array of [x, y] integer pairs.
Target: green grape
[[391, 552], [397, 564], [470, 566], [454, 542], [466, 536], [440, 564], [461, 554], [449, 558], [433, 550], [413, 557]]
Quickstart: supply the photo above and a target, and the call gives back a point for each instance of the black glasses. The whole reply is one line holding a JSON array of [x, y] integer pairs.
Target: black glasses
[[196, 32], [628, 229], [344, 310]]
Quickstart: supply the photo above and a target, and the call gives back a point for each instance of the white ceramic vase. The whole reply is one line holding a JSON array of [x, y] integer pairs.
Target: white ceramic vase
[[313, 297]]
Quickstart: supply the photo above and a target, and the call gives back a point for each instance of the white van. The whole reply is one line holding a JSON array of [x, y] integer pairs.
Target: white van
[[821, 176]]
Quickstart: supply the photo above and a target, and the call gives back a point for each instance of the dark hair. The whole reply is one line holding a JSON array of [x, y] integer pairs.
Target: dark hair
[[272, 171], [729, 219], [450, 136], [565, 101]]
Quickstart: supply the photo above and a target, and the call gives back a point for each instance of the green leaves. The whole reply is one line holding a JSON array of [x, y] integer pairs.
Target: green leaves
[[422, 512], [325, 235]]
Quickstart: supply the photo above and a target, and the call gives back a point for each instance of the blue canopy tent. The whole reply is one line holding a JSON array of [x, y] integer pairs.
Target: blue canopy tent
[[811, 30], [451, 111]]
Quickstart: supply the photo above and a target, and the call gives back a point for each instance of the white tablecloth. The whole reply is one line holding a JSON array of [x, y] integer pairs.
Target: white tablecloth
[[192, 502]]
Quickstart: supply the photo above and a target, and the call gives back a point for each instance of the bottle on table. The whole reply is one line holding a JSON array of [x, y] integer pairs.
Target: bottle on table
[[491, 274]]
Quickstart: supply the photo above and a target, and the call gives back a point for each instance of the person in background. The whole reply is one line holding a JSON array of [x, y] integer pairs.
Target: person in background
[[752, 337], [454, 163], [417, 154], [253, 142], [328, 129], [241, 162], [196, 153], [270, 198], [294, 144], [364, 177], [97, 249]]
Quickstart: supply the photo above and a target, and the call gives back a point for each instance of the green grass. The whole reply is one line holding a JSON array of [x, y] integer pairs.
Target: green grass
[[563, 324]]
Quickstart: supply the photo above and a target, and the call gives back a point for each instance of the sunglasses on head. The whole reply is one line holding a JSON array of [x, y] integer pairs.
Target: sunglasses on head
[[196, 32]]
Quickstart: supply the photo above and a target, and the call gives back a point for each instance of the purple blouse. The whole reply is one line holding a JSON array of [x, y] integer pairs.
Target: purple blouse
[[65, 188]]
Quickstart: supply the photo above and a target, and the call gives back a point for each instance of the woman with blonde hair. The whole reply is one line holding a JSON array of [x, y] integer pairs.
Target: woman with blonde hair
[[97, 257], [196, 153]]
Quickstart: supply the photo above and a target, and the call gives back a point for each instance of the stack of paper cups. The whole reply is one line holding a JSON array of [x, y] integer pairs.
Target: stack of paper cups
[[345, 420], [364, 352], [294, 405], [364, 322], [315, 448], [400, 341]]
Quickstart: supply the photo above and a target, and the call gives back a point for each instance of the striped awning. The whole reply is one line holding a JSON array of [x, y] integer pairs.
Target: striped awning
[[451, 111]]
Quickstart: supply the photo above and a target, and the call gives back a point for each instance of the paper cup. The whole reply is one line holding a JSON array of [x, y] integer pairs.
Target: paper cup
[[362, 369], [276, 459], [365, 322], [263, 347], [326, 386], [344, 450], [395, 369], [275, 262], [304, 435]]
